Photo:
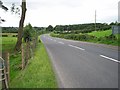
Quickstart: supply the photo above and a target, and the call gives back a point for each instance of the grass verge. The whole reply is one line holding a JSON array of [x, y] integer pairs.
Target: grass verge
[[37, 74], [101, 37]]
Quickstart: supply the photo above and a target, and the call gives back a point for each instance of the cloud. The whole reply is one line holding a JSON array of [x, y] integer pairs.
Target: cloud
[[49, 12]]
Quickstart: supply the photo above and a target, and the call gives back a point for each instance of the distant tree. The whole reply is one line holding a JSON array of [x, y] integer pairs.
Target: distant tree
[[50, 28]]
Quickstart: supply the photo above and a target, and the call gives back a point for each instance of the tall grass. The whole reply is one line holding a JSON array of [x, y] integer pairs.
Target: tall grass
[[38, 73]]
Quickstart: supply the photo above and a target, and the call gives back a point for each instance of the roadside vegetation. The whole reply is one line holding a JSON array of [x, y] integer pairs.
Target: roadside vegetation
[[99, 34], [104, 37], [87, 32], [38, 73]]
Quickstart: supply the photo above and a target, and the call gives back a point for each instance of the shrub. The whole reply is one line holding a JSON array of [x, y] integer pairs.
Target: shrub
[[4, 35], [29, 33]]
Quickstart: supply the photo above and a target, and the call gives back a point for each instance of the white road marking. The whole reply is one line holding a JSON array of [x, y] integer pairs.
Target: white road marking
[[110, 58], [76, 47], [61, 42]]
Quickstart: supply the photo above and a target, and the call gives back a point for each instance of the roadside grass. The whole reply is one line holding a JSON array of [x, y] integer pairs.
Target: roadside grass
[[101, 33], [37, 74], [118, 36], [101, 37], [15, 65]]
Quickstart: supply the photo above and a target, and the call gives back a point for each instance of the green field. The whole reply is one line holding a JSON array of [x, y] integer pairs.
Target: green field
[[37, 74], [101, 33], [8, 43]]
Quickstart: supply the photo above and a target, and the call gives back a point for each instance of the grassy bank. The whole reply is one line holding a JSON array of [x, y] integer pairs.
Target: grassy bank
[[103, 37], [99, 34], [37, 74]]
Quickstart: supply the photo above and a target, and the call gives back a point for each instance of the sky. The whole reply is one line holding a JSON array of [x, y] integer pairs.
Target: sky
[[42, 13]]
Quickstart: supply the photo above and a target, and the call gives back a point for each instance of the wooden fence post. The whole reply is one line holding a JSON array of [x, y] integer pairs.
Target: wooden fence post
[[23, 57], [6, 69], [29, 53]]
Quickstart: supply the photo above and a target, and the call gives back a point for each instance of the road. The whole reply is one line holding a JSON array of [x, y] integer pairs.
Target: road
[[81, 64]]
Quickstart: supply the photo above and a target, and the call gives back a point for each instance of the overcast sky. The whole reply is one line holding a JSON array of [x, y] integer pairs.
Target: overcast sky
[[62, 12]]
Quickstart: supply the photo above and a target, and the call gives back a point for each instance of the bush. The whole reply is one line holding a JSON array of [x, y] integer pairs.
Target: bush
[[14, 35], [4, 35], [29, 33]]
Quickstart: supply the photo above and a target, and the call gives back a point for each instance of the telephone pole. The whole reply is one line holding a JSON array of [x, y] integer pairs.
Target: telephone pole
[[95, 20], [119, 12]]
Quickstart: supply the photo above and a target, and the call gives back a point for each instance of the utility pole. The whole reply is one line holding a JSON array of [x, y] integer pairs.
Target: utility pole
[[95, 20], [119, 12]]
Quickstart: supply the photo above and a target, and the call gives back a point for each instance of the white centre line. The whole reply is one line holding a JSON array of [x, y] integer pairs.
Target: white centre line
[[76, 47], [110, 58], [61, 42]]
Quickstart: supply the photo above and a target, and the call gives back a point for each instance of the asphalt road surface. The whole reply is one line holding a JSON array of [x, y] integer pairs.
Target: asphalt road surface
[[81, 64]]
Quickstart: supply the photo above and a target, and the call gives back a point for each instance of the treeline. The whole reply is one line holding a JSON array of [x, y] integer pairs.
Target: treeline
[[9, 29], [15, 29], [80, 28], [67, 29], [83, 27]]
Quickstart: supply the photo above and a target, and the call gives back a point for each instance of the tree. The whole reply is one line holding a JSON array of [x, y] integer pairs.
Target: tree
[[21, 25], [3, 7], [49, 28], [29, 33]]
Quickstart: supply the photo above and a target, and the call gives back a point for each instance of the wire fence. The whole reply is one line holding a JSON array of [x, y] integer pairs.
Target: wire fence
[[28, 50]]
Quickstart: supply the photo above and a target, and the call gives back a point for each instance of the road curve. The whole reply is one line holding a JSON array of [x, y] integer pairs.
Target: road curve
[[81, 64]]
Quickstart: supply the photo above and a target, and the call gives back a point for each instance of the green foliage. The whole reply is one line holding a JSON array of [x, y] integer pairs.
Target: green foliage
[[15, 65], [49, 28], [8, 43], [109, 39], [37, 74], [9, 29], [81, 28], [29, 33], [101, 33]]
